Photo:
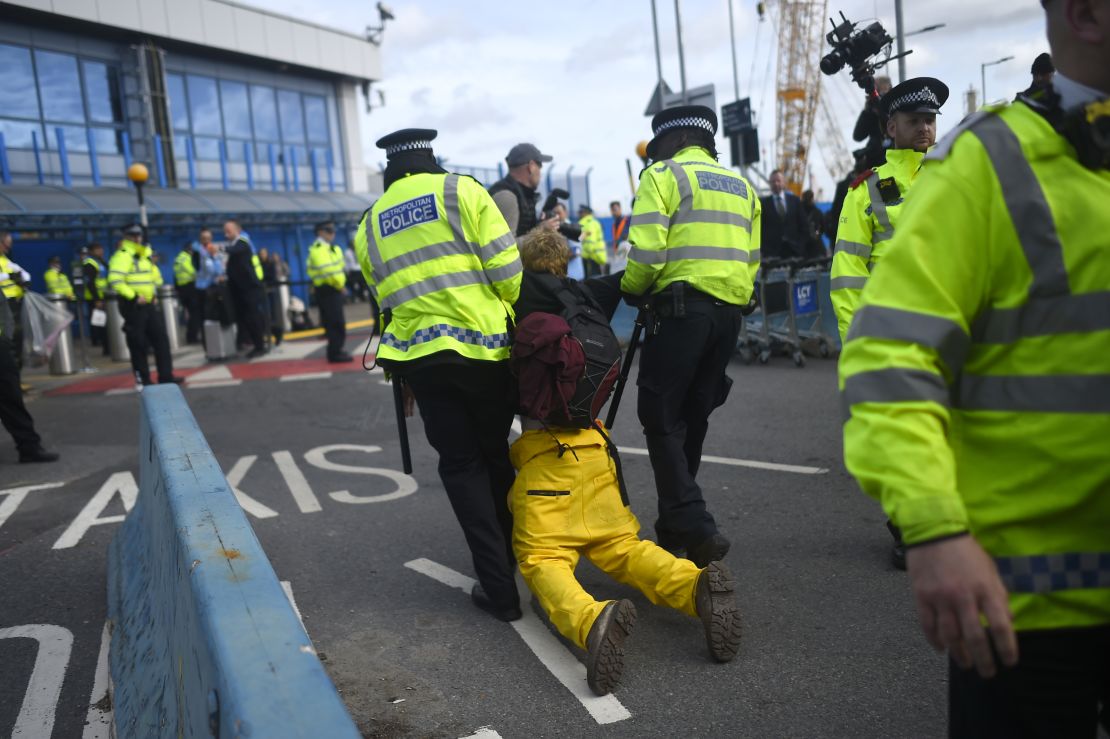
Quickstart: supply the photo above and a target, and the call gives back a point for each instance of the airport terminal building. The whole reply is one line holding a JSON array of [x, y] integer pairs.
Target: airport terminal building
[[236, 111]]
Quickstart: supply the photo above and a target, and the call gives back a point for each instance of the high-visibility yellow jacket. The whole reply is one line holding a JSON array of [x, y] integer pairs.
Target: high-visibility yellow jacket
[[442, 261], [57, 283], [593, 241], [101, 278], [184, 273], [325, 265], [977, 370], [697, 222], [131, 271], [257, 264], [8, 284], [867, 222]]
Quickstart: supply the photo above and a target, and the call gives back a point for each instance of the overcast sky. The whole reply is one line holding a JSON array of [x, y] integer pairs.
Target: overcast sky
[[574, 77]]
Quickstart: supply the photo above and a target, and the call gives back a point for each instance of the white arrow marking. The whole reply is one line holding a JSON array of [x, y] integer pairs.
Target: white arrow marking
[[36, 716]]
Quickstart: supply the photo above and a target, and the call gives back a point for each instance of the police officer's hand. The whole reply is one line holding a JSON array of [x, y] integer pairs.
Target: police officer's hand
[[141, 300], [955, 584]]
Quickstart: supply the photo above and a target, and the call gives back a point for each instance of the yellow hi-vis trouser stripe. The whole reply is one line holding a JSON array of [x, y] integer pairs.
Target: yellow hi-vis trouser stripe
[[564, 508]]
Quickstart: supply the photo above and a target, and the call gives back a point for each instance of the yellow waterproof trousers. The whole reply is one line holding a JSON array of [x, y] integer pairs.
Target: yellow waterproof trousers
[[569, 504]]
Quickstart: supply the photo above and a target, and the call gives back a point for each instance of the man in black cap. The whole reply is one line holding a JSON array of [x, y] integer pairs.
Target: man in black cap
[[874, 203], [515, 194], [1043, 71], [443, 265], [695, 251]]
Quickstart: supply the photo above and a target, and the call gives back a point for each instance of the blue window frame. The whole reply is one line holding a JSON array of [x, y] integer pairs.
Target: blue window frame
[[43, 90]]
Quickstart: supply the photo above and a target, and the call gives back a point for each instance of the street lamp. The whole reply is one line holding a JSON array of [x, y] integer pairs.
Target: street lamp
[[983, 73], [139, 174]]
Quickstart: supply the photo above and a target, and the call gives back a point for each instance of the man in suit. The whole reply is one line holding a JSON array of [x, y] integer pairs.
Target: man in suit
[[784, 223]]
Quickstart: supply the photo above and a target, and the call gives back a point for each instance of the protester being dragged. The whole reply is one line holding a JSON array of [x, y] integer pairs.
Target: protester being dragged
[[569, 498]]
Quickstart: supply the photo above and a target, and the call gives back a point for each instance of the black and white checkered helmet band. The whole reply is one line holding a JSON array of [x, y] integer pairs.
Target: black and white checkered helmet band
[[408, 146], [688, 122], [922, 96]]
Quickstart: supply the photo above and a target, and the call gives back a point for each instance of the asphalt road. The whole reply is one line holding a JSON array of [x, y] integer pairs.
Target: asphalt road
[[831, 646]]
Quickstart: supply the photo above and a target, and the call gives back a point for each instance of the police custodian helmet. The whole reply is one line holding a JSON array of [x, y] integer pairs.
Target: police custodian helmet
[[696, 117], [917, 95]]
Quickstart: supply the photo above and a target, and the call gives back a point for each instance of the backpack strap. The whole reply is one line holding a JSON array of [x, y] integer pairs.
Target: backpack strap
[[612, 449], [575, 294]]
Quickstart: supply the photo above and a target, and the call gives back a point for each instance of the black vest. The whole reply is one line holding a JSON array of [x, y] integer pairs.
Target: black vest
[[526, 199]]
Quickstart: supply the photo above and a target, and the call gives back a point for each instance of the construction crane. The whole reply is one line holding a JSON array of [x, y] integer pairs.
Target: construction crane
[[800, 25]]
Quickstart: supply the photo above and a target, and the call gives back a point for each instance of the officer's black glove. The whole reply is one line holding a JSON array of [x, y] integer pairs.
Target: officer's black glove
[[748, 309]]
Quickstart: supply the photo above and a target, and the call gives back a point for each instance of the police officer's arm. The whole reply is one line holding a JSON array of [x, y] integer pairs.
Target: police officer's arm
[[118, 268], [651, 217], [90, 273], [905, 348], [755, 245], [362, 253], [496, 243], [850, 256]]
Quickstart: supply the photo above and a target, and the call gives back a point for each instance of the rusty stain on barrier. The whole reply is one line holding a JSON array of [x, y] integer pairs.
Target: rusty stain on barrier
[[231, 553]]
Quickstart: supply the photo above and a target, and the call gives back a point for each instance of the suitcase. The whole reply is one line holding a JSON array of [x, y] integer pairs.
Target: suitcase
[[219, 340]]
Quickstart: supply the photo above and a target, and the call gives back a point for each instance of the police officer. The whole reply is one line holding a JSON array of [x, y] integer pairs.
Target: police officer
[[95, 274], [695, 252], [185, 280], [131, 276], [445, 270], [593, 242], [874, 201], [874, 204], [57, 282], [327, 272], [13, 413], [12, 281], [977, 378]]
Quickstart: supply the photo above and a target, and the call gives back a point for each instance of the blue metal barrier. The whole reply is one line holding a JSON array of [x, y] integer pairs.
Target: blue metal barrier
[[222, 148], [204, 641], [5, 171], [126, 139], [293, 165], [248, 161]]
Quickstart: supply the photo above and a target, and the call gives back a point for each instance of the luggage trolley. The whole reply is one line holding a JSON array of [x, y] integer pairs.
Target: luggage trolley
[[789, 312]]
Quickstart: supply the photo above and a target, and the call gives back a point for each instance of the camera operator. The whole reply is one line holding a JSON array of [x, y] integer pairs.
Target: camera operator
[[515, 194], [870, 126]]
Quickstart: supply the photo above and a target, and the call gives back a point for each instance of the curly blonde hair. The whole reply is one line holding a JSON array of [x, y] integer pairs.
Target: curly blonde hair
[[544, 250]]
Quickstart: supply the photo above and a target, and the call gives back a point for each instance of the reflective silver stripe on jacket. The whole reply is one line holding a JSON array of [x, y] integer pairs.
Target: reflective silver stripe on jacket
[[710, 253], [878, 206], [854, 248], [432, 284], [1058, 314], [425, 253], [894, 385], [716, 217], [1045, 573], [488, 251], [685, 189], [650, 219], [847, 283], [1035, 393], [944, 336]]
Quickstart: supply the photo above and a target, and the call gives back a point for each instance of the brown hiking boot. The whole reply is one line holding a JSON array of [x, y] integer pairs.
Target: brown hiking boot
[[716, 607], [605, 645]]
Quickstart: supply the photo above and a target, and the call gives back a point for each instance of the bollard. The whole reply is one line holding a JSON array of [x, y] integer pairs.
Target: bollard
[[61, 359], [167, 299], [117, 343], [283, 306]]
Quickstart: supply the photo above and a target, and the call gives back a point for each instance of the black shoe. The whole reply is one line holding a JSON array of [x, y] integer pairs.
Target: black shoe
[[605, 646], [341, 358], [171, 380], [716, 606], [257, 352], [898, 551], [478, 595], [709, 550], [37, 455]]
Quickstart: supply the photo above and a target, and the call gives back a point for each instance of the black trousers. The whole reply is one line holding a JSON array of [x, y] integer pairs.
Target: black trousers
[[682, 379], [273, 303], [1053, 692], [13, 413], [467, 411], [330, 302], [16, 307], [144, 329], [192, 300], [248, 310]]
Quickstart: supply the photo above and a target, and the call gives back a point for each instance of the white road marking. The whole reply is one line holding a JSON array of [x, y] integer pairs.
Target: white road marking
[[36, 716], [122, 391], [547, 648], [306, 376], [120, 482], [250, 505], [298, 485], [16, 496], [213, 383], [742, 463], [287, 586], [98, 722], [190, 359], [289, 350], [406, 484], [484, 733], [212, 374]]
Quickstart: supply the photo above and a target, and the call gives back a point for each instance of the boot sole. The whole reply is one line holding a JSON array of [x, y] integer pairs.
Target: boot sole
[[603, 672], [716, 605]]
